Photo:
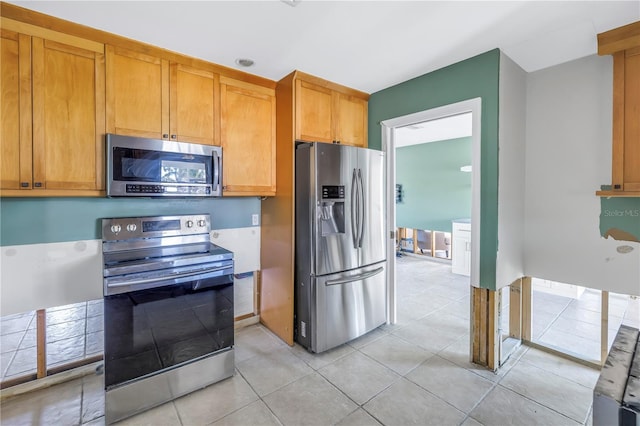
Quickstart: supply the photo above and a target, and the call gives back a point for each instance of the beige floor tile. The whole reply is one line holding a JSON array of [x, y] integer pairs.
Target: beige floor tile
[[405, 403], [216, 401], [586, 376], [504, 407], [92, 397], [450, 290], [165, 415], [397, 354], [571, 343], [254, 414], [434, 334], [368, 338], [470, 421], [359, 377], [273, 370], [562, 395], [459, 387], [415, 307], [358, 418], [309, 401], [317, 361], [460, 308], [253, 341], [57, 405]]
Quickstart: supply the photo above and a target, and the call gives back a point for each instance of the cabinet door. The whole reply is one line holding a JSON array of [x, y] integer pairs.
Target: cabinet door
[[248, 135], [314, 112], [137, 94], [194, 100], [68, 116], [351, 120], [15, 133]]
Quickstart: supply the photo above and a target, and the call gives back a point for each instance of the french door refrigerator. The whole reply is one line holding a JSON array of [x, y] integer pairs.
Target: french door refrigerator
[[340, 272]]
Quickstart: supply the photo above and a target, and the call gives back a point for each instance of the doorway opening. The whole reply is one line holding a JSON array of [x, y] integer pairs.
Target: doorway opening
[[395, 133]]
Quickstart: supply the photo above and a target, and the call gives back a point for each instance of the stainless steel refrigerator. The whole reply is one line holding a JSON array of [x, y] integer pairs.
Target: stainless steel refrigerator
[[340, 273]]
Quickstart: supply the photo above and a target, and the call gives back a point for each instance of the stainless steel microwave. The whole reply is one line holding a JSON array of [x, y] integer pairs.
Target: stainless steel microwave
[[140, 167]]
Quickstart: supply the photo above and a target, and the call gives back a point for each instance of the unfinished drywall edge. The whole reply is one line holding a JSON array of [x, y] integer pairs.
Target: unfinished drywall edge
[[620, 220]]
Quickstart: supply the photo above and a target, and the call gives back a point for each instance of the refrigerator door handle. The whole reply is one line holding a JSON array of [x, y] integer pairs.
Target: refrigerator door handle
[[354, 219], [358, 277], [363, 210]]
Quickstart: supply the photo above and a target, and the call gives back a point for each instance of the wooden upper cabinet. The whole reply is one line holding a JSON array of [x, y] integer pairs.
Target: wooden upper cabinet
[[68, 116], [314, 112], [248, 136], [351, 125], [15, 104], [137, 94], [327, 112], [194, 101], [624, 44], [53, 114], [149, 97]]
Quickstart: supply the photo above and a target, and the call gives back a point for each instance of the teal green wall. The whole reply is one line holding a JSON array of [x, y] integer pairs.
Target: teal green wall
[[620, 218], [435, 190], [471, 78], [49, 220]]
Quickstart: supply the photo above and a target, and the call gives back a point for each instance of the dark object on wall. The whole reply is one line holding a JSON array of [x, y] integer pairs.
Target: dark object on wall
[[399, 193]]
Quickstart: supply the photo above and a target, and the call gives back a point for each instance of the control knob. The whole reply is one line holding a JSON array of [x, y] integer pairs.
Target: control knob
[[131, 227], [201, 223], [189, 224], [116, 229]]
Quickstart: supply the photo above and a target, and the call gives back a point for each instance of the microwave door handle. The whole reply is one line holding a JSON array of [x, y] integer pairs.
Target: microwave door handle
[[216, 171]]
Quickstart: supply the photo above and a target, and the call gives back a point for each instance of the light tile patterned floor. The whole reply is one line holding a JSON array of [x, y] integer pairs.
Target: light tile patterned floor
[[391, 376], [74, 332]]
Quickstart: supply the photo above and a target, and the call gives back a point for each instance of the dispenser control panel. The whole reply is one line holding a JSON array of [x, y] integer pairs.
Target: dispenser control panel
[[332, 192]]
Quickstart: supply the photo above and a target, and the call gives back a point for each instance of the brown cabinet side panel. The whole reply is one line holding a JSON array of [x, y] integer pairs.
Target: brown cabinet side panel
[[632, 121], [277, 238]]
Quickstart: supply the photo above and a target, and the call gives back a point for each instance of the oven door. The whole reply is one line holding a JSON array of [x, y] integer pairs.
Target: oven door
[[155, 328]]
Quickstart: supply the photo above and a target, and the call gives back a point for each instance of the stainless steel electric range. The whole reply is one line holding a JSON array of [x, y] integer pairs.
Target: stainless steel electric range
[[168, 311]]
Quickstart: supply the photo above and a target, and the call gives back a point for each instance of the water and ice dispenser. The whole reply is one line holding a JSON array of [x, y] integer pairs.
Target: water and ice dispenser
[[331, 210]]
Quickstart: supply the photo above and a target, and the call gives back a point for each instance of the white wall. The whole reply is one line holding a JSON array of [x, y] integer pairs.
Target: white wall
[[511, 172], [568, 157], [38, 276]]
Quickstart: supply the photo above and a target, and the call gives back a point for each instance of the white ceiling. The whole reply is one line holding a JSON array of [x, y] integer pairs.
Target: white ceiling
[[452, 127], [367, 45]]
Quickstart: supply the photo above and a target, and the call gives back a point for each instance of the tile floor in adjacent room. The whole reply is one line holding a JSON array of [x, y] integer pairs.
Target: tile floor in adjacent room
[[74, 332], [414, 372]]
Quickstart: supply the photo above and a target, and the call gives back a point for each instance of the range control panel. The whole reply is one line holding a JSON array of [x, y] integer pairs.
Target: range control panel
[[124, 228]]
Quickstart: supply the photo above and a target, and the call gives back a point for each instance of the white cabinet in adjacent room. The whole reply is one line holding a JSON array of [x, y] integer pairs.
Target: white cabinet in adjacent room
[[461, 247]]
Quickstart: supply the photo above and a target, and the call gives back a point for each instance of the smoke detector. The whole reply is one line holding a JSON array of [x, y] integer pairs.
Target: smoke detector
[[244, 62]]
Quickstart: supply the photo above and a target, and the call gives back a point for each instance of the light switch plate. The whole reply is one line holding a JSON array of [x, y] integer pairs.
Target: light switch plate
[[255, 220]]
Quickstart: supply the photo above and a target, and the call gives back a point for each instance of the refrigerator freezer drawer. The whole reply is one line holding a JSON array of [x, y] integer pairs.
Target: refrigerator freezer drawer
[[347, 305]]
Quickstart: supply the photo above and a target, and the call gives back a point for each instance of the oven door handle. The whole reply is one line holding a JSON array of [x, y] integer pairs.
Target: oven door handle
[[199, 274]]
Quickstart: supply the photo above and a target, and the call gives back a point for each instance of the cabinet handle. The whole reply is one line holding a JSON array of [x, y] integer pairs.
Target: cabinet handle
[[165, 136], [174, 136], [37, 184], [24, 184]]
